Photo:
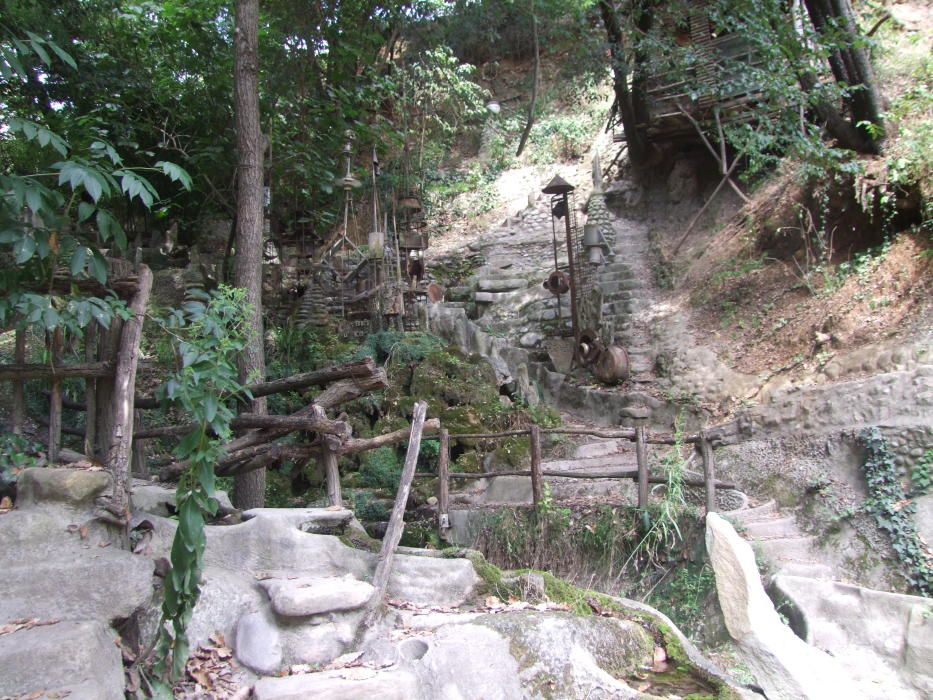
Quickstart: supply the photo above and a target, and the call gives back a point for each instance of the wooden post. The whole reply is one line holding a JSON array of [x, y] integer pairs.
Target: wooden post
[[90, 392], [124, 390], [537, 479], [709, 472], [19, 403], [55, 400], [443, 483], [140, 463], [641, 454], [332, 472], [397, 520]]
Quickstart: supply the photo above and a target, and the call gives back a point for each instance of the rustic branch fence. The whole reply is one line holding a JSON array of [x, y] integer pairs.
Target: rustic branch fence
[[703, 441]]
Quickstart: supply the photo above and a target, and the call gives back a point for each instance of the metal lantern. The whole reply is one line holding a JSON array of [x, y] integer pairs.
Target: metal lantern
[[593, 243]]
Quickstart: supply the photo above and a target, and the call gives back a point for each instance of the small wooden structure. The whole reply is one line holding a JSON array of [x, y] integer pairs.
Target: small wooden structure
[[706, 91], [109, 371]]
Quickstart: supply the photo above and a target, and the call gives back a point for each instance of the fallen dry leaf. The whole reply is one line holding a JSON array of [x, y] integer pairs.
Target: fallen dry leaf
[[344, 661]]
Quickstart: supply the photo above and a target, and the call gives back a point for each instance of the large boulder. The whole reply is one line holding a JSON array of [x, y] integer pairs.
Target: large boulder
[[786, 667], [77, 660], [73, 487]]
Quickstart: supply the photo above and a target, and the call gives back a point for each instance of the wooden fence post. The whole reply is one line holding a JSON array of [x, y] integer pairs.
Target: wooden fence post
[[90, 392], [332, 472], [397, 520], [537, 479], [641, 454], [443, 483], [19, 403], [55, 400], [709, 472]]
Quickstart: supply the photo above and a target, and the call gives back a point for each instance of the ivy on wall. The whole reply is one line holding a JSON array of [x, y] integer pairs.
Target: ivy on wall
[[889, 504]]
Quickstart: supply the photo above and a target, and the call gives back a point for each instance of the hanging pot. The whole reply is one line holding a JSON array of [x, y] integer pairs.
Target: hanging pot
[[612, 366], [557, 283]]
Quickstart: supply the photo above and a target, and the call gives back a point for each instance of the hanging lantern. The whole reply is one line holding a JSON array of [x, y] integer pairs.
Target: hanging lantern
[[593, 243], [376, 243]]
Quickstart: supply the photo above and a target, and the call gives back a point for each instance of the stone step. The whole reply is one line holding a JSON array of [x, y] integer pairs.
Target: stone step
[[789, 549], [618, 460], [599, 449], [765, 511], [770, 529], [821, 572], [503, 284], [618, 308]]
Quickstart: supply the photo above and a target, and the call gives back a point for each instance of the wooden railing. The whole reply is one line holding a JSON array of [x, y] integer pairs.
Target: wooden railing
[[703, 441]]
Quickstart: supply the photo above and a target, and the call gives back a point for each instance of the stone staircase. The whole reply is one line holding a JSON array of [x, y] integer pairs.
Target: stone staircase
[[780, 543], [628, 291]]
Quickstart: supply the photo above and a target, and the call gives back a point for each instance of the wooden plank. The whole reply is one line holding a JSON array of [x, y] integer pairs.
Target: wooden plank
[[443, 483], [709, 474], [55, 400], [397, 520], [641, 454], [21, 371], [19, 402], [537, 479]]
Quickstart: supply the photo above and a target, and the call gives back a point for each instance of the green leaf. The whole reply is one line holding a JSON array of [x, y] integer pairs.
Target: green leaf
[[85, 211], [176, 173], [35, 41], [78, 261], [98, 266], [24, 249], [62, 54]]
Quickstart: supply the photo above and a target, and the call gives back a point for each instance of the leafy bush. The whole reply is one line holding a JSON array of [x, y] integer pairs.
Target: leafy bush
[[381, 469], [406, 348], [367, 509], [16, 453]]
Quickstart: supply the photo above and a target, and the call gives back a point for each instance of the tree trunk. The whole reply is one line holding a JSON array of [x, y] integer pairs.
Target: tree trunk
[[121, 431], [851, 66], [249, 489], [626, 105]]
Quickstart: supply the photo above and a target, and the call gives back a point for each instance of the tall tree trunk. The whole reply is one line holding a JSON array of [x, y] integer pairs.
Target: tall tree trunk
[[625, 102], [850, 65], [249, 489]]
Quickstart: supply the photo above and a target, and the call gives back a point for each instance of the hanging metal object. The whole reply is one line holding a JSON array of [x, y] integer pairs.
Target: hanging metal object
[[593, 243], [557, 283], [612, 365]]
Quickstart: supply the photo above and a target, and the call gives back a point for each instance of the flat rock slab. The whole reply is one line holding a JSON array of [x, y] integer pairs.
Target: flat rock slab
[[310, 595], [315, 520], [74, 487], [501, 285], [346, 684], [78, 660]]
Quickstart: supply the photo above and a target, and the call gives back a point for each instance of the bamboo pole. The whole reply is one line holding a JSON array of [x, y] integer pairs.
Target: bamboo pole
[[709, 474], [537, 480], [397, 520], [55, 400], [641, 454], [443, 483], [19, 403]]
